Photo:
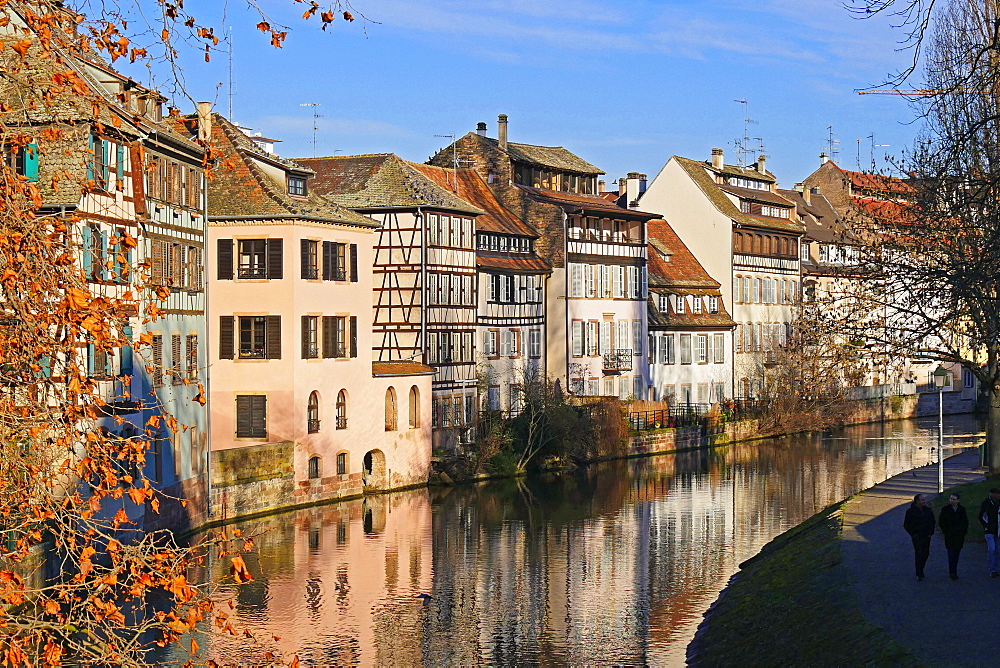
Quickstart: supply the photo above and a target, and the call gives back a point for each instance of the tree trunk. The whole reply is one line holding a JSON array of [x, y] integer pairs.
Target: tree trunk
[[993, 431]]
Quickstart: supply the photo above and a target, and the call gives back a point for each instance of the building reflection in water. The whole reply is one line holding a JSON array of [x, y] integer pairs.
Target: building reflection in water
[[613, 564]]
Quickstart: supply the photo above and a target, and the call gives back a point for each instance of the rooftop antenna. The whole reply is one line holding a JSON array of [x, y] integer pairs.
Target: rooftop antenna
[[743, 144], [454, 158], [231, 93], [316, 117], [832, 143], [871, 151], [858, 161]]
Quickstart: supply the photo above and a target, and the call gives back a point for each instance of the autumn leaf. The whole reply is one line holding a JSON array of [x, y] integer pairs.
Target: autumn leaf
[[21, 47], [348, 16], [263, 26], [239, 571]]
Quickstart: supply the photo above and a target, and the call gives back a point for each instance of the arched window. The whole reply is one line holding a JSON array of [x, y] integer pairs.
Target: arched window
[[312, 413], [414, 407], [390, 409], [342, 409], [314, 468]]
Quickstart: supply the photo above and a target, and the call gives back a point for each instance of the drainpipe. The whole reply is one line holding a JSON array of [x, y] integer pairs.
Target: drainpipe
[[566, 278]]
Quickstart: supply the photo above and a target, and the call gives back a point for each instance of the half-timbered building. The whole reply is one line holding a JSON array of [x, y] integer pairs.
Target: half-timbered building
[[511, 292], [595, 309], [424, 275]]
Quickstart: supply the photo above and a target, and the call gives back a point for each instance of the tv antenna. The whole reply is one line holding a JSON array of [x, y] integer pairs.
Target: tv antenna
[[454, 158], [230, 92], [832, 143], [316, 117], [871, 150], [743, 144]]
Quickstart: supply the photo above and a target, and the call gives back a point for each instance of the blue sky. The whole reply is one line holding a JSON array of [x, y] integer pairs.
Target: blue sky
[[624, 85]]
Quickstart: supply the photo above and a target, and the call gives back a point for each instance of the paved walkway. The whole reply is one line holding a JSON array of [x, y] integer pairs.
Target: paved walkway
[[941, 621]]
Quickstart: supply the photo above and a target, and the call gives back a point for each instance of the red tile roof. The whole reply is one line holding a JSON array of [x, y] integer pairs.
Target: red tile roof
[[884, 210], [587, 203], [682, 269], [473, 189], [400, 368], [879, 183], [525, 264]]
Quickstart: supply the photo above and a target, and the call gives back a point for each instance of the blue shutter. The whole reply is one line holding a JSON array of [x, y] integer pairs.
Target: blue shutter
[[87, 258], [46, 363], [126, 365], [120, 162], [90, 160], [106, 155], [90, 359], [102, 271], [31, 161]]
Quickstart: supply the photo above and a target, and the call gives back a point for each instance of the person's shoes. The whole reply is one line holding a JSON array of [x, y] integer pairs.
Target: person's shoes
[[954, 576], [920, 578]]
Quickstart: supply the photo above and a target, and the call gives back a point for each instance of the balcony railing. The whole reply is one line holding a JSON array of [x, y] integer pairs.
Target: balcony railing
[[252, 271], [253, 353], [313, 426], [341, 422], [618, 360]]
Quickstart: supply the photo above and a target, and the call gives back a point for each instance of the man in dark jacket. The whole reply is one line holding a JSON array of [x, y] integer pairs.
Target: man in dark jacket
[[954, 525], [919, 523], [989, 514]]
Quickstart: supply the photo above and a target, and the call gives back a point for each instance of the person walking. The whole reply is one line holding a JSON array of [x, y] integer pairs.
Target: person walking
[[988, 517], [954, 523], [919, 523]]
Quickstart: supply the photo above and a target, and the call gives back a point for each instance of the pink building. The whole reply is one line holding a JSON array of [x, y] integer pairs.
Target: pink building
[[299, 412]]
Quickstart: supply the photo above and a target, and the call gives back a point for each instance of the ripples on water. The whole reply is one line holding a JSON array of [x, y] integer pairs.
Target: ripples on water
[[613, 564]]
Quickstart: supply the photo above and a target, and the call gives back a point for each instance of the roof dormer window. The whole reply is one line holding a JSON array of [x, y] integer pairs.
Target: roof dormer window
[[297, 186]]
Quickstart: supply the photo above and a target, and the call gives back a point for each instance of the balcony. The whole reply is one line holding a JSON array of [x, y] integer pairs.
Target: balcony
[[341, 422], [618, 360], [251, 271], [313, 426]]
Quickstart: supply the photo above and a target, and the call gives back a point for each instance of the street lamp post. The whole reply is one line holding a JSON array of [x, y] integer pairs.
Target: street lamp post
[[942, 378]]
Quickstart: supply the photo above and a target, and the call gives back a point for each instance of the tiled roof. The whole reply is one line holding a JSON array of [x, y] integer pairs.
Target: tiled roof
[[380, 181], [241, 187], [658, 320], [587, 203], [697, 171], [525, 264], [678, 270], [400, 368], [470, 186], [822, 222], [555, 157], [756, 195], [747, 172], [879, 183], [883, 210]]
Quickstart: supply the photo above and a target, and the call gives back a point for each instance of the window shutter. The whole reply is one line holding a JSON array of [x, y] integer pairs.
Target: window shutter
[[354, 265], [243, 415], [225, 259], [156, 248], [305, 337], [304, 257], [87, 256], [120, 162], [258, 416], [105, 159], [328, 336], [354, 336], [274, 258], [226, 337], [126, 364], [30, 155], [329, 260], [92, 159], [273, 337]]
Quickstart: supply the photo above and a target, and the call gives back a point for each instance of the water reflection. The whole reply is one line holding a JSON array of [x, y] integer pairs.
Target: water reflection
[[614, 564]]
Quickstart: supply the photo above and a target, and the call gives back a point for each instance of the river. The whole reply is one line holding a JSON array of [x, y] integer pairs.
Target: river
[[611, 564]]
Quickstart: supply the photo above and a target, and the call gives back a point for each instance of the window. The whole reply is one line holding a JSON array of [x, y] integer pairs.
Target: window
[[606, 346], [719, 349], [97, 166], [622, 332], [252, 258], [755, 299], [638, 388], [335, 336], [637, 337], [390, 409], [591, 338], [696, 304], [668, 353], [157, 361], [310, 337], [253, 337], [535, 343], [23, 160], [685, 348], [314, 468], [176, 360], [576, 282], [804, 252], [312, 413], [577, 338], [310, 259], [663, 301], [342, 409], [713, 304], [414, 407], [678, 304], [745, 206], [297, 186], [968, 378], [701, 351], [341, 463], [251, 416]]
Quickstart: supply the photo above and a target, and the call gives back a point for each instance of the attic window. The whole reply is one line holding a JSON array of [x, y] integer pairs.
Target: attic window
[[297, 186]]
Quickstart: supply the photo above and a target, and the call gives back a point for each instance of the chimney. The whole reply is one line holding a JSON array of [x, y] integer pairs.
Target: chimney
[[502, 131], [823, 158], [204, 121], [807, 196], [635, 186], [601, 186], [762, 164], [481, 129], [717, 158]]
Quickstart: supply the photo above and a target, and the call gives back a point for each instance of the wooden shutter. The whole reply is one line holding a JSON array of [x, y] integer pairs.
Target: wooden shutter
[[29, 158], [354, 336], [273, 337], [329, 260], [354, 263], [245, 415], [258, 416], [225, 259], [304, 257], [305, 337], [226, 337], [274, 259], [329, 339]]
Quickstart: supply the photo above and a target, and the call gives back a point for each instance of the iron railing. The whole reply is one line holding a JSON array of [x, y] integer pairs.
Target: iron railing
[[313, 426], [618, 360]]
